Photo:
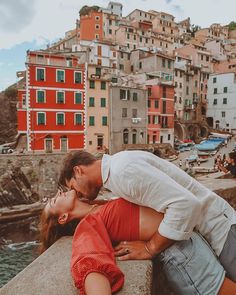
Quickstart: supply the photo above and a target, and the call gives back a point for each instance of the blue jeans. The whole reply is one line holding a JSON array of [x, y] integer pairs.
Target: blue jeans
[[192, 268]]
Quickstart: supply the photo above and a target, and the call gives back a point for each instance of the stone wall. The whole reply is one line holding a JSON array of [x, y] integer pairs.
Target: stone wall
[[39, 170]]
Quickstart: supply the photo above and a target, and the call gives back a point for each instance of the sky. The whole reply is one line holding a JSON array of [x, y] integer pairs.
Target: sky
[[33, 24]]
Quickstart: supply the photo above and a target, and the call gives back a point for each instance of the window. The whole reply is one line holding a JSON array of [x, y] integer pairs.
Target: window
[[140, 39], [155, 120], [163, 106], [124, 113], [41, 119], [196, 83], [97, 17], [156, 104], [149, 92], [135, 96], [140, 65], [187, 78], [127, 36], [78, 77], [103, 85], [126, 136], [168, 136], [225, 89], [187, 90], [60, 119], [124, 94], [97, 27], [103, 102], [215, 90], [91, 121], [60, 76], [225, 100], [149, 103], [134, 37], [60, 97], [149, 119], [98, 72], [134, 136], [214, 80], [40, 96], [40, 74], [104, 121], [91, 84], [91, 102], [164, 91], [180, 85], [78, 98], [110, 31], [223, 114], [78, 119], [134, 113], [163, 62], [215, 101], [169, 64]]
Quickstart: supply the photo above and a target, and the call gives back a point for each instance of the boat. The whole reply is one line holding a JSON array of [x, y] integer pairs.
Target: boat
[[204, 169], [192, 158], [172, 158]]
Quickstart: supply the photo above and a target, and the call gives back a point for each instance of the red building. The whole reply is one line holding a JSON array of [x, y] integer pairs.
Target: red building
[[161, 113], [91, 26], [51, 107]]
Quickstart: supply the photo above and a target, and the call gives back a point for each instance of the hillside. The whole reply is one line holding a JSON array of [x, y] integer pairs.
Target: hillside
[[8, 115]]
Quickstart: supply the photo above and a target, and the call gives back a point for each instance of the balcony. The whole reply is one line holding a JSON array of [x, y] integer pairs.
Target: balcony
[[189, 107], [136, 120]]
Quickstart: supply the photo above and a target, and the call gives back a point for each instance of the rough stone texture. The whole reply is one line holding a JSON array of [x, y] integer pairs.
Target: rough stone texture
[[50, 274]]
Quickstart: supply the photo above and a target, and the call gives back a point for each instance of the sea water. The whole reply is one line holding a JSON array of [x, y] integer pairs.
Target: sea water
[[14, 258]]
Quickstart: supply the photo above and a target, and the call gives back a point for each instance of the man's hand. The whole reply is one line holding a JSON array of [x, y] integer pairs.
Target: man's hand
[[135, 250]]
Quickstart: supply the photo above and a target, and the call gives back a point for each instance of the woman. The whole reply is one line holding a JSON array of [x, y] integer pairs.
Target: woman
[[93, 265]]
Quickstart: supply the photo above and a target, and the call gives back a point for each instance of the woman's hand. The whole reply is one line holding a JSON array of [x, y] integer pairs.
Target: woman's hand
[[135, 250]]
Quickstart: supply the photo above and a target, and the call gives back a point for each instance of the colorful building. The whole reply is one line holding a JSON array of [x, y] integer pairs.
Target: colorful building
[[51, 107]]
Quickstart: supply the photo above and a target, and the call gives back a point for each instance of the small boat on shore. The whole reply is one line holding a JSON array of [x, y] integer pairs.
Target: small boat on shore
[[200, 169]]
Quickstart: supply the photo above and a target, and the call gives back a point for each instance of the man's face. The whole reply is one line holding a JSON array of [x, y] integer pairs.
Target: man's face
[[84, 185]]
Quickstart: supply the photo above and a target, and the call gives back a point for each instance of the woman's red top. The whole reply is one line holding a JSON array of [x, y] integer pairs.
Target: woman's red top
[[92, 250]]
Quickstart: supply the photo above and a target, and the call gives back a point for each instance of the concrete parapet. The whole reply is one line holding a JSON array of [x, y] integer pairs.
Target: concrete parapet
[[50, 274]]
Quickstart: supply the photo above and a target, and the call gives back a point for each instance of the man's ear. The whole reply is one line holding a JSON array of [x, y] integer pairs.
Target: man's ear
[[77, 170], [62, 219]]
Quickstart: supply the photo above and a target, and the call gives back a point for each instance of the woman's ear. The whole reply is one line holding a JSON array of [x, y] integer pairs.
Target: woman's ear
[[62, 219]]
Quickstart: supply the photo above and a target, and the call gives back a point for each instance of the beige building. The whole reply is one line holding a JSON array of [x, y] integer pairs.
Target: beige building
[[128, 117], [97, 109]]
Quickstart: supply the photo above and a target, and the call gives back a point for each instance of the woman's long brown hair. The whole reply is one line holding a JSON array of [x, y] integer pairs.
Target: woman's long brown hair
[[50, 230]]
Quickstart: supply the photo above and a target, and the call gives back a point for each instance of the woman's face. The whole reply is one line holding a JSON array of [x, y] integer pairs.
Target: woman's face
[[63, 202]]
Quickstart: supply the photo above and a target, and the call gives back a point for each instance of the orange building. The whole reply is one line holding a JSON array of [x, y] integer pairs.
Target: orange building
[[91, 26], [161, 113], [51, 107]]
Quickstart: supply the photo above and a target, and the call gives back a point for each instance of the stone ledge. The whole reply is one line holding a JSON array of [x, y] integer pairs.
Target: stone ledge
[[50, 274]]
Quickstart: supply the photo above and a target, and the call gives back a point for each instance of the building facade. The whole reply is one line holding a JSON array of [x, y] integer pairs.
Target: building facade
[[51, 108], [221, 111]]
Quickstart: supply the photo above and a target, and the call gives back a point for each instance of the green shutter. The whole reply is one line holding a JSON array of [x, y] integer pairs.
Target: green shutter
[[78, 119], [103, 85], [78, 98], [60, 97], [60, 119], [91, 102], [104, 121], [91, 121], [41, 119], [40, 96], [40, 74], [78, 77], [60, 76], [103, 102]]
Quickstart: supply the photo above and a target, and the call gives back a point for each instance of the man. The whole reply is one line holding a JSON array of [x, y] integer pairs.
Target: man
[[145, 179], [231, 166]]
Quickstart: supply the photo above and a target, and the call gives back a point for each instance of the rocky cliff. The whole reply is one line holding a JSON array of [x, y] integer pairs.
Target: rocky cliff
[[8, 115]]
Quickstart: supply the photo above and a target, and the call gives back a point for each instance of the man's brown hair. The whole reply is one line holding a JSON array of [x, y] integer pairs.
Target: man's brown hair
[[73, 159]]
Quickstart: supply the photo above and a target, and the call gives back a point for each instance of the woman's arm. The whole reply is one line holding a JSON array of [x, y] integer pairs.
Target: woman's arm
[[97, 284]]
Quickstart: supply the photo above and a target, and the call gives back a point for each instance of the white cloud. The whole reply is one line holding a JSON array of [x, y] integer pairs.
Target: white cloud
[[45, 20]]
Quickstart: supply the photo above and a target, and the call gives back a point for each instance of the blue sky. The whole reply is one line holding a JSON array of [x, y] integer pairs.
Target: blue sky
[[32, 24]]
